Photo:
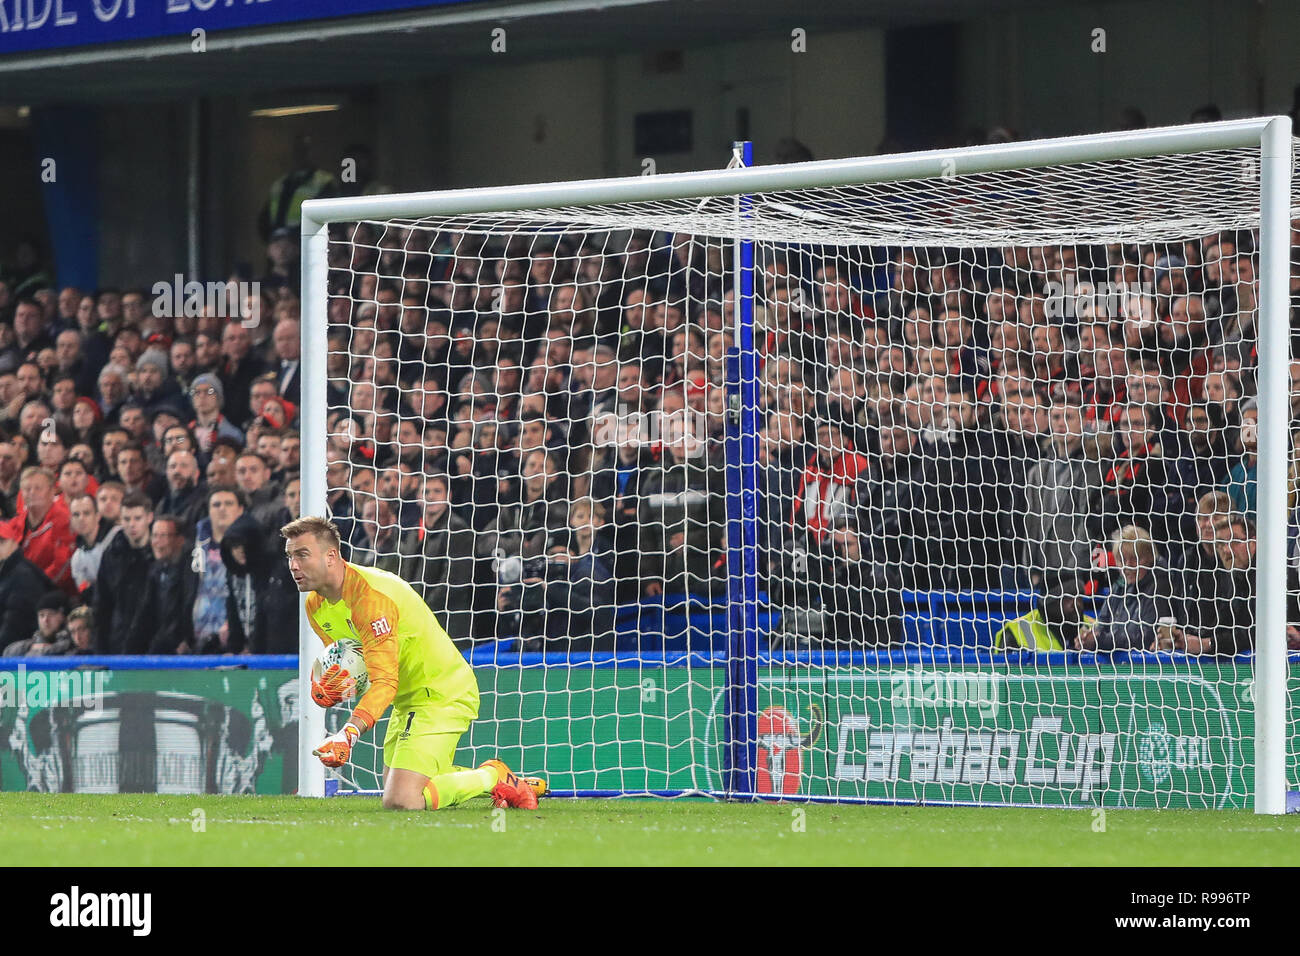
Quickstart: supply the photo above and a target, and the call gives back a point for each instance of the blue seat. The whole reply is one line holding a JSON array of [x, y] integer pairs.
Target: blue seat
[[961, 618], [681, 622]]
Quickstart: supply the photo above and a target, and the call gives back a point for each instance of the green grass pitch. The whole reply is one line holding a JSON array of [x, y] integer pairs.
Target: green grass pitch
[[144, 829]]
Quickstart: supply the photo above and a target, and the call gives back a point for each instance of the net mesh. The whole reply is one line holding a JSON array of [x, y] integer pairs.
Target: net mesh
[[1006, 479]]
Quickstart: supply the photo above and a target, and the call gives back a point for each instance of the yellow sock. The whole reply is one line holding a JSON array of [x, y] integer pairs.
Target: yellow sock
[[449, 789]]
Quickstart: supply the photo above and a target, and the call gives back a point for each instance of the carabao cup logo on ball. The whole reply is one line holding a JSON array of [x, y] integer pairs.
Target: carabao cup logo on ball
[[346, 653]]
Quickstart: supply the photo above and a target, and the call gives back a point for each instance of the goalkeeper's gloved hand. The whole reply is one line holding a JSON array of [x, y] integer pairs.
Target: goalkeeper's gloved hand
[[334, 685], [334, 751]]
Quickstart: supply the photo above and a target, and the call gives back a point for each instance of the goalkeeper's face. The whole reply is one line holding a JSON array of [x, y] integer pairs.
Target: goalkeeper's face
[[312, 565]]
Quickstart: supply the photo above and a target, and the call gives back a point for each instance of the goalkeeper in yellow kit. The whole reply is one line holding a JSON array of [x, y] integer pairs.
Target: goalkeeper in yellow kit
[[413, 666]]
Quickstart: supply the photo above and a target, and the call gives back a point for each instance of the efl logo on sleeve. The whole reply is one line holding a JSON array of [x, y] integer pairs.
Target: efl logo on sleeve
[[380, 627]]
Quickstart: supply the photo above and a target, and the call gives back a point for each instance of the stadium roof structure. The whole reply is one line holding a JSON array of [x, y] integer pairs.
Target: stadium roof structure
[[424, 41]]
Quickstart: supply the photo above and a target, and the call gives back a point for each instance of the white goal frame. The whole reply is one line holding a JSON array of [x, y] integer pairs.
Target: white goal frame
[[1271, 135]]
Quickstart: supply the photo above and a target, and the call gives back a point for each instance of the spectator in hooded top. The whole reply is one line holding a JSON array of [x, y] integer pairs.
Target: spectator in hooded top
[[95, 344], [1205, 459], [261, 597]]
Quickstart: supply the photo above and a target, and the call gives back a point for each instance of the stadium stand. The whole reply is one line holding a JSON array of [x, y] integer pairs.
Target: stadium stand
[[912, 417]]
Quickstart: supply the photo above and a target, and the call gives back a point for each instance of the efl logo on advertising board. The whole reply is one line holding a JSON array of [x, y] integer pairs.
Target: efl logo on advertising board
[[780, 749]]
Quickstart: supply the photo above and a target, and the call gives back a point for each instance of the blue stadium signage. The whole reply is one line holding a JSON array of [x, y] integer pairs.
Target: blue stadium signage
[[35, 25]]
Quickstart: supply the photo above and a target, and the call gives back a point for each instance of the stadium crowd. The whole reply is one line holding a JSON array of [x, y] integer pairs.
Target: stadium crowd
[[531, 433]]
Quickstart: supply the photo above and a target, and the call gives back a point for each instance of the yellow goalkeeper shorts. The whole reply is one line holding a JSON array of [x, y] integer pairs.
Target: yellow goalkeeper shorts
[[423, 739]]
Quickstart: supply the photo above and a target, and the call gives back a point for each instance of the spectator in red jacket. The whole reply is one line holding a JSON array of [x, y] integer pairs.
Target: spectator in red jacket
[[48, 541], [829, 484], [21, 585]]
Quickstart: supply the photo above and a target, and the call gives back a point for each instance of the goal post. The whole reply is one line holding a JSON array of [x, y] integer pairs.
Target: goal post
[[733, 697], [1276, 212], [742, 513]]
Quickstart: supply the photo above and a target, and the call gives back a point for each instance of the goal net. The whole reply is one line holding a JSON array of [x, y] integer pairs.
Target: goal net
[[947, 484]]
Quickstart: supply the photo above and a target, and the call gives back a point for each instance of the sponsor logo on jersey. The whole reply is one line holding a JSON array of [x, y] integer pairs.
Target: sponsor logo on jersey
[[380, 626]]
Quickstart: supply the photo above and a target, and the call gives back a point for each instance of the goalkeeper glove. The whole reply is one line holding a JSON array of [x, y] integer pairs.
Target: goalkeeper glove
[[334, 685], [335, 750]]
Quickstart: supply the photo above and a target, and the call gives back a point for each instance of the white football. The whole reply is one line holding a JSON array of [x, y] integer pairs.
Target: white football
[[346, 653]]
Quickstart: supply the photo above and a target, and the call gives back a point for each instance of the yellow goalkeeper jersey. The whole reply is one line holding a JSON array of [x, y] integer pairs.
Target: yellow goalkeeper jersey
[[411, 660]]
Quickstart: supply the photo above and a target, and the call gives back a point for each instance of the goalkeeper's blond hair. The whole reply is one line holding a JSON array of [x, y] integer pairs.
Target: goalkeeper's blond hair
[[325, 530]]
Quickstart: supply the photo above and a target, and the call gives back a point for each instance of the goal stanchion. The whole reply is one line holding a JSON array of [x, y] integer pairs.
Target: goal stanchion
[[877, 311], [1276, 214], [315, 299], [742, 516]]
